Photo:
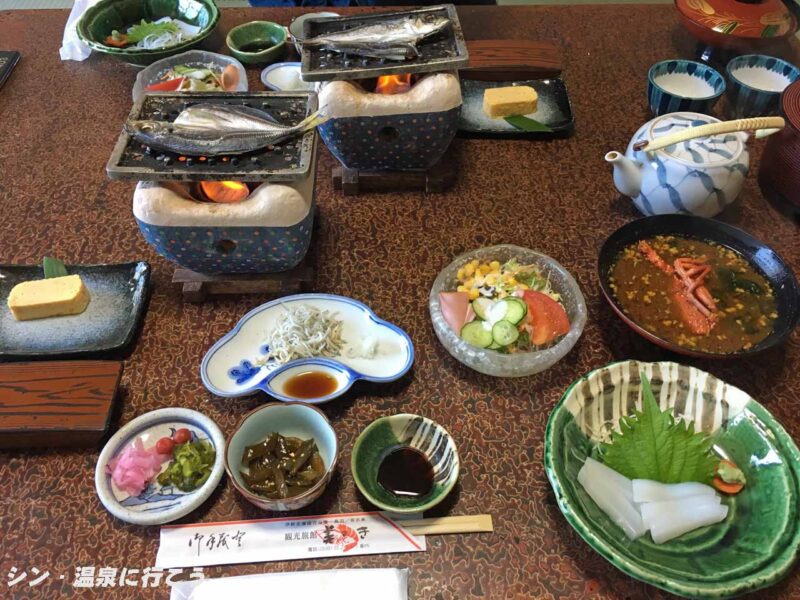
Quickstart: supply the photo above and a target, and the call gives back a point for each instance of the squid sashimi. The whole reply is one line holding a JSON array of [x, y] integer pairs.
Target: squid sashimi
[[612, 494], [653, 512], [670, 525], [645, 490], [600, 471]]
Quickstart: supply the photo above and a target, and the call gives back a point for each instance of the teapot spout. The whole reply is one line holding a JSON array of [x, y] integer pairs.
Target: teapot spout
[[627, 174]]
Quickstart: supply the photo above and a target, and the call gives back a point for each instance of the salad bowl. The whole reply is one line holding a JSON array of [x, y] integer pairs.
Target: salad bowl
[[519, 364], [100, 20], [236, 366], [158, 504], [758, 541], [199, 59]]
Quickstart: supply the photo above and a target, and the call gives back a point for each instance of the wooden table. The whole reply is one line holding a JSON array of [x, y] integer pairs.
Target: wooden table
[[58, 124]]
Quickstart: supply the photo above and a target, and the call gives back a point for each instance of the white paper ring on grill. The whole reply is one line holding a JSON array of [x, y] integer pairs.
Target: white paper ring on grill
[[269, 205], [438, 92]]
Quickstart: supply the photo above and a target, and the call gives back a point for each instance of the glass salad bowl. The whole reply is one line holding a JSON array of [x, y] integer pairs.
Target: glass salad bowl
[[518, 364], [757, 542]]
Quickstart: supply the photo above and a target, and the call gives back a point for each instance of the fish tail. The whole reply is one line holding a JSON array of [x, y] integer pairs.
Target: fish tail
[[313, 120]]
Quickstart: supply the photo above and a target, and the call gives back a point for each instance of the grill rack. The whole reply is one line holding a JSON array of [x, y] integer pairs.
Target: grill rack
[[446, 51], [289, 160]]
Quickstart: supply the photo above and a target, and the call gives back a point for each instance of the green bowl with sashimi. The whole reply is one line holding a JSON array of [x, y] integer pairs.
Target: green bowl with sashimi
[[752, 548], [100, 20], [383, 436]]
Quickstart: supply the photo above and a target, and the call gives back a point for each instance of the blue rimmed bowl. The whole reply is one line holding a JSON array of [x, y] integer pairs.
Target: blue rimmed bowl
[[158, 504], [756, 84], [235, 365], [679, 85]]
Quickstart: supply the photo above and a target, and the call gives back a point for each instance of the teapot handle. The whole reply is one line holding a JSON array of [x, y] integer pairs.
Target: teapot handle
[[757, 123]]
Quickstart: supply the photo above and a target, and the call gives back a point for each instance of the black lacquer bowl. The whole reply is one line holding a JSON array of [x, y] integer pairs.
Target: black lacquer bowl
[[763, 258]]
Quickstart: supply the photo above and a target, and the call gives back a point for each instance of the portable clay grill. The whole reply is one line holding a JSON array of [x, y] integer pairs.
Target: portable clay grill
[[391, 122], [233, 224]]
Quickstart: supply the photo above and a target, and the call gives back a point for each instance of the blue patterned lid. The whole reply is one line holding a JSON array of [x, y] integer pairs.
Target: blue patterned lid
[[711, 150]]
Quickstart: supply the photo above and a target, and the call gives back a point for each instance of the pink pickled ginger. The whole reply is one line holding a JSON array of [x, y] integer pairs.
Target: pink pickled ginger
[[135, 467]]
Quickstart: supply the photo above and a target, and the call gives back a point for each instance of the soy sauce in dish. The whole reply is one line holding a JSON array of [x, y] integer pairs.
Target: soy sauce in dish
[[310, 384], [406, 472]]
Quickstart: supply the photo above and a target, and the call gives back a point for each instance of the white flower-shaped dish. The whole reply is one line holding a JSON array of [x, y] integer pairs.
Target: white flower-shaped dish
[[232, 367], [157, 504]]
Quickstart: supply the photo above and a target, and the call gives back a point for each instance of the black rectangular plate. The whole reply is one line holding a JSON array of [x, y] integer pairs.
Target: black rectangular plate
[[290, 160], [553, 110], [444, 52], [8, 60], [118, 297]]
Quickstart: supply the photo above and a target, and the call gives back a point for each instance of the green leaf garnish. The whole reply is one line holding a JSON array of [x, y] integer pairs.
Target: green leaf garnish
[[53, 267], [138, 32], [527, 124], [652, 445]]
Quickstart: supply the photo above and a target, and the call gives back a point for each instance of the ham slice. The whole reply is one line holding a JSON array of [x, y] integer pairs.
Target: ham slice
[[456, 309]]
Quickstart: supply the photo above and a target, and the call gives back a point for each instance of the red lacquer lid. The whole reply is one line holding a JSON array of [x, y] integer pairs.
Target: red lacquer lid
[[790, 104], [768, 19]]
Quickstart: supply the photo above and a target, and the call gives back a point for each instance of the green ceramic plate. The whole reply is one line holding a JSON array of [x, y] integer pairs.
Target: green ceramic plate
[[758, 542], [388, 433], [100, 20]]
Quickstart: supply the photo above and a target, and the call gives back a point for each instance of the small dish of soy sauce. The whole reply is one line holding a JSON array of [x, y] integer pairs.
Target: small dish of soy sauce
[[405, 463]]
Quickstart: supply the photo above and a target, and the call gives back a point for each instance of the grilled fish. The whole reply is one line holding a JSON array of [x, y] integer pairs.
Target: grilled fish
[[395, 39], [214, 130]]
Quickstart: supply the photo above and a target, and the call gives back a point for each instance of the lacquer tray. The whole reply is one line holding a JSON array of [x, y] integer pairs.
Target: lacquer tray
[[234, 365]]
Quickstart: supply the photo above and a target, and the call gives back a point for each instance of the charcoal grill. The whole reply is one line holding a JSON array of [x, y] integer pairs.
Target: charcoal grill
[[368, 133], [270, 231]]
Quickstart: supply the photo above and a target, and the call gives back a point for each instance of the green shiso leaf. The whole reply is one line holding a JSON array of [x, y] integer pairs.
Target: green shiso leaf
[[527, 124], [53, 268], [651, 445]]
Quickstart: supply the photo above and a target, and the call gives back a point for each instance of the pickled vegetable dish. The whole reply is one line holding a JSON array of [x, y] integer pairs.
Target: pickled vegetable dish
[[699, 295], [282, 467]]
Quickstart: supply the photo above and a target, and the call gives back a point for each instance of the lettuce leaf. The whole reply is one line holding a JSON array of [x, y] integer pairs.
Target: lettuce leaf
[[652, 445], [138, 32]]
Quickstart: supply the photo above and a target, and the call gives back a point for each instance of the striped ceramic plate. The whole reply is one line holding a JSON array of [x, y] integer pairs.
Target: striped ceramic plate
[[757, 543]]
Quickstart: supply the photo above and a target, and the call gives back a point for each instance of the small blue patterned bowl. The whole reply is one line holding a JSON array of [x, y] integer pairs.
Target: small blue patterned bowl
[[756, 84], [683, 85]]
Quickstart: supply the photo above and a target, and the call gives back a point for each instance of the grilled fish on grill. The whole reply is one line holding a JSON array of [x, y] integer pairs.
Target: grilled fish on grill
[[395, 39], [216, 129]]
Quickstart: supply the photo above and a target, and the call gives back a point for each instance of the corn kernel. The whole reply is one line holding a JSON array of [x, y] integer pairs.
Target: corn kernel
[[460, 274], [469, 282], [462, 288], [474, 262], [469, 269], [491, 278], [522, 286], [495, 265], [473, 293]]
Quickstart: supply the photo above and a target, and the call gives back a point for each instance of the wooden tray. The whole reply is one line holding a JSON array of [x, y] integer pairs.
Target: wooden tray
[[509, 60], [48, 404]]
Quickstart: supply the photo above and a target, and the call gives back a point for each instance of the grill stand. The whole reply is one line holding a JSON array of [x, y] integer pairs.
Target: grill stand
[[435, 180]]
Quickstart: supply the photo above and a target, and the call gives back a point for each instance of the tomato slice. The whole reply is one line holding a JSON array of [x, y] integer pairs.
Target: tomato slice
[[548, 317], [170, 85]]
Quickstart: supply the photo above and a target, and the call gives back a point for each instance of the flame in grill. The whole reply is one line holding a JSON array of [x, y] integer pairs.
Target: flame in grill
[[393, 84], [225, 191]]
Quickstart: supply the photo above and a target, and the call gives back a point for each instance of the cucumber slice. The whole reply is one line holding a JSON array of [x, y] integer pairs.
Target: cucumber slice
[[516, 311], [481, 306], [495, 346], [476, 334], [504, 333]]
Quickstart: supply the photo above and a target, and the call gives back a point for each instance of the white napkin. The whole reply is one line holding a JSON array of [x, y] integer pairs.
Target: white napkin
[[72, 48], [338, 584]]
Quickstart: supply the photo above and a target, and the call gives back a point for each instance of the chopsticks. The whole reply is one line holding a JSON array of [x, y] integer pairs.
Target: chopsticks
[[445, 525], [762, 125]]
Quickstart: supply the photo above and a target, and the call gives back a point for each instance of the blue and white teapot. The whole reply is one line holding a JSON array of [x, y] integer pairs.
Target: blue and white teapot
[[700, 176]]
